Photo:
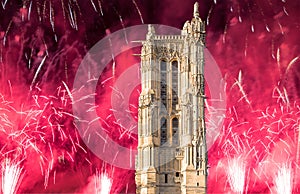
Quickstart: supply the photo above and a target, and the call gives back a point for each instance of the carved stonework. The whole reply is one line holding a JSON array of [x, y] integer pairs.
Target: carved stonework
[[172, 144]]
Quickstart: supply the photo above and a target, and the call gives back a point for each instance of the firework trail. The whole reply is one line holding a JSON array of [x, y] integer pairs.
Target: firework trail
[[240, 137], [236, 174], [102, 183], [284, 180], [11, 176]]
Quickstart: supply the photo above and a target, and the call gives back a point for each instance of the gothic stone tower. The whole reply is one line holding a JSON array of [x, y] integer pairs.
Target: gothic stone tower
[[172, 154]]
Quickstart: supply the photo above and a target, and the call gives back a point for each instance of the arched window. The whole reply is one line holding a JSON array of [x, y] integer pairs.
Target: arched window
[[163, 130], [163, 83], [174, 84], [163, 65], [175, 130]]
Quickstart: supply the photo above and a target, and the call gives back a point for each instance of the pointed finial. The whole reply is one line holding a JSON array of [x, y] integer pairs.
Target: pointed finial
[[196, 10]]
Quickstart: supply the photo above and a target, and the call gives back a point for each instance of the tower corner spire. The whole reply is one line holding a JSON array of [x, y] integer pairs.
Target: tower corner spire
[[151, 31], [196, 10]]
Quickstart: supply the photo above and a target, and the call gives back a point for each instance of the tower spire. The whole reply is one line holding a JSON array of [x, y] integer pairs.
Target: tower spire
[[196, 10]]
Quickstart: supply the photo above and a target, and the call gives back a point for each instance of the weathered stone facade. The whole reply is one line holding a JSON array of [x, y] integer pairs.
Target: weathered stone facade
[[172, 154]]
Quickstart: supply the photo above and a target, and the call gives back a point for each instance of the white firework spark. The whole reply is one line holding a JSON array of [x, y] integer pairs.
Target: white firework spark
[[11, 176], [102, 183], [236, 175], [283, 180]]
